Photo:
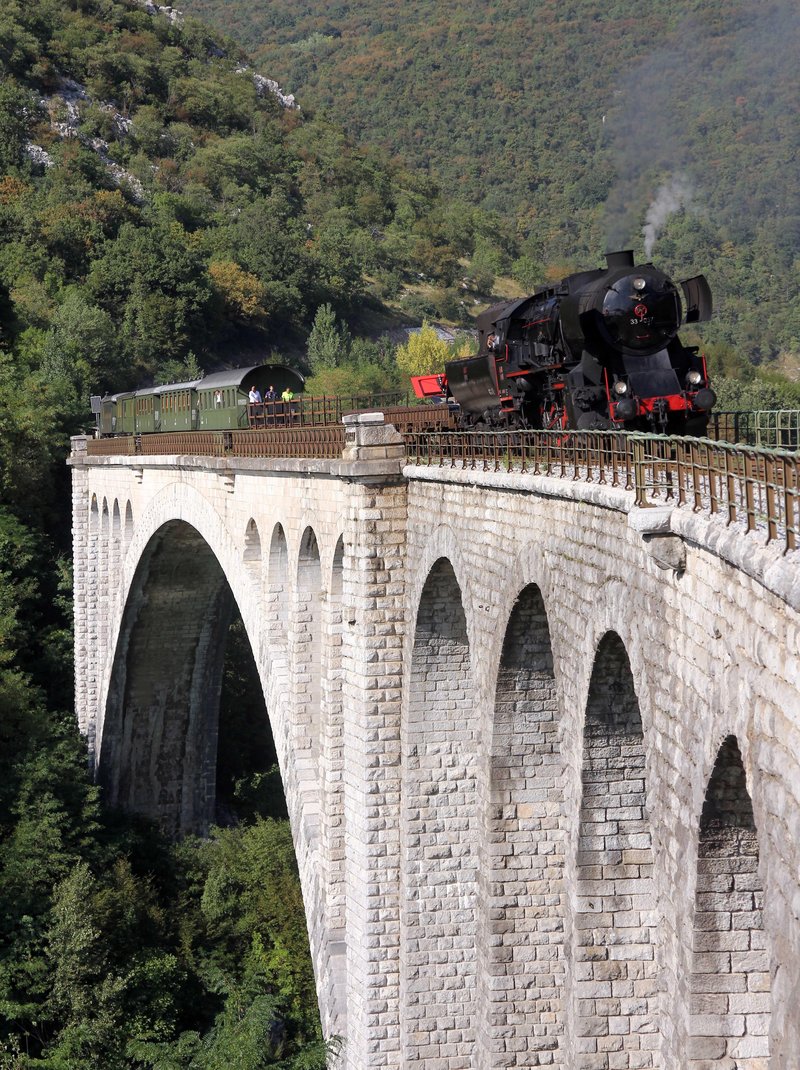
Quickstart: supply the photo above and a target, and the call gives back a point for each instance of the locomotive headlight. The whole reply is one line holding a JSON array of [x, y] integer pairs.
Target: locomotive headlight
[[693, 378], [620, 388], [639, 283]]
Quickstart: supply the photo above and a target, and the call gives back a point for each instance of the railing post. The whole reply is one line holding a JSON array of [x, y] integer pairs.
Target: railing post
[[640, 473], [791, 506]]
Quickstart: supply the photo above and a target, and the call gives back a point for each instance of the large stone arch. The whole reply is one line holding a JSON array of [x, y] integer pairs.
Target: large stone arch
[[180, 502], [439, 743], [181, 511], [159, 745]]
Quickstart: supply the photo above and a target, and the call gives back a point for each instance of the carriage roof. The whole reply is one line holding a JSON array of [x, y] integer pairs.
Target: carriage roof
[[229, 377], [236, 376]]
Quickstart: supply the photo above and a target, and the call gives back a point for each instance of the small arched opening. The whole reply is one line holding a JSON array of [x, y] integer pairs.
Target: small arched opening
[[523, 891], [252, 546], [615, 928], [730, 1000], [278, 587], [307, 671], [439, 816]]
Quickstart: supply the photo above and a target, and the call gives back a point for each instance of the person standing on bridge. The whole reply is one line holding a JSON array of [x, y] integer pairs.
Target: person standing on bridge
[[254, 397]]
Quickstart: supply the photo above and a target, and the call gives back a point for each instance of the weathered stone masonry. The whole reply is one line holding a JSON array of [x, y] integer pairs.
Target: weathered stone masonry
[[544, 792]]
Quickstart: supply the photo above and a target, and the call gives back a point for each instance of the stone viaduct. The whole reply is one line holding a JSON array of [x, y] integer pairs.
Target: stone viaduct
[[541, 754]]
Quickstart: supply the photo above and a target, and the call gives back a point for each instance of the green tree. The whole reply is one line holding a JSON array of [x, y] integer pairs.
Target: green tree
[[328, 344], [80, 348], [424, 352], [156, 287]]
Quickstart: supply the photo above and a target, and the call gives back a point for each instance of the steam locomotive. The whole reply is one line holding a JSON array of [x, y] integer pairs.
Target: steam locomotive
[[599, 350]]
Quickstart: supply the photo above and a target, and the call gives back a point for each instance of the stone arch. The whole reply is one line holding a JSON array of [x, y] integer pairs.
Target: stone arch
[[128, 536], [730, 983], [438, 815], [306, 665], [115, 541], [174, 505], [522, 927], [443, 544], [333, 812], [179, 501], [615, 933], [333, 744], [279, 586], [105, 535], [252, 546], [105, 553], [158, 753]]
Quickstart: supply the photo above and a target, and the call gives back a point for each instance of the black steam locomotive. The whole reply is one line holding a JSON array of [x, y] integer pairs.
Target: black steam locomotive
[[599, 350]]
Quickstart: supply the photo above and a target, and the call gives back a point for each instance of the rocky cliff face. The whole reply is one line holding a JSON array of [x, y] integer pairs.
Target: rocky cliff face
[[65, 106]]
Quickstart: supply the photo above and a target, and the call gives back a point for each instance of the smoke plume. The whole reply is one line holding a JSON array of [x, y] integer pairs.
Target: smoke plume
[[731, 66], [671, 197]]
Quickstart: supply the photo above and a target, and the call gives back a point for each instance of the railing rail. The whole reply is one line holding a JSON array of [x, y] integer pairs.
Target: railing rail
[[319, 410], [324, 443], [777, 428], [767, 428], [756, 489]]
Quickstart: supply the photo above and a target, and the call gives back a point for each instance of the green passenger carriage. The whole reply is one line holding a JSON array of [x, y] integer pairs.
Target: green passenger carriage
[[219, 402]]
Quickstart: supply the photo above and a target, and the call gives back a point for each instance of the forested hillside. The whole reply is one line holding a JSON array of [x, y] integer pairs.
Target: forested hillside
[[571, 117], [163, 210]]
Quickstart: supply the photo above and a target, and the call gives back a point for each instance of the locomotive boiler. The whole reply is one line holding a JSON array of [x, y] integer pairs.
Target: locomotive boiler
[[599, 350]]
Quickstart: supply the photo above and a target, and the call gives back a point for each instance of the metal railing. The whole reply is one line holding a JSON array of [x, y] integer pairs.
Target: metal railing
[[323, 443], [777, 428], [319, 411], [732, 427], [767, 428], [757, 489]]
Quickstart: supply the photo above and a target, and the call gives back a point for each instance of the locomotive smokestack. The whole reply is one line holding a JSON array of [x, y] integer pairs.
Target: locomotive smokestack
[[624, 258]]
